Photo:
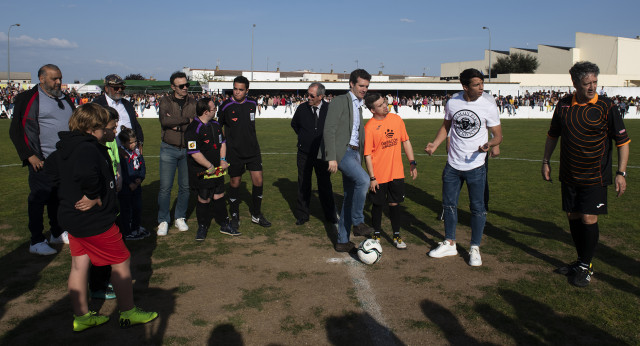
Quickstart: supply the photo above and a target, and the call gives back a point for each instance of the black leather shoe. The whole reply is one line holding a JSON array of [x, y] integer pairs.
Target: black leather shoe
[[301, 221], [344, 247], [362, 230]]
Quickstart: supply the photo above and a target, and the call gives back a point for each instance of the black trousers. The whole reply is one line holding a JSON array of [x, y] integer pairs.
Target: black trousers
[[306, 165], [43, 194]]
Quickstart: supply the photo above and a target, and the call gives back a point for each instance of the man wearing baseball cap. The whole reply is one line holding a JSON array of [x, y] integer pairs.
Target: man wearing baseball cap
[[113, 96]]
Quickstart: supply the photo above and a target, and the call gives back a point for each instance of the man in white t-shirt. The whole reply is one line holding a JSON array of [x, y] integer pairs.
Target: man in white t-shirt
[[470, 115]]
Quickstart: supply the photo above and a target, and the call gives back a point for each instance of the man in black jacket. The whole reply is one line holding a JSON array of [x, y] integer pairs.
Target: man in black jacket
[[308, 123], [114, 97], [39, 114]]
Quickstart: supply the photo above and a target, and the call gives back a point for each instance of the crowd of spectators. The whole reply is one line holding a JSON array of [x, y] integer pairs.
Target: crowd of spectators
[[544, 101]]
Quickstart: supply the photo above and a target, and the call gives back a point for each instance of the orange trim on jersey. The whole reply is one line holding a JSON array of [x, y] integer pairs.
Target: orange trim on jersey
[[592, 101], [623, 144]]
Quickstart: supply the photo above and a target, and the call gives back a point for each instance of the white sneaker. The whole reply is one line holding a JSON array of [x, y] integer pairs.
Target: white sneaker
[[62, 239], [163, 228], [444, 249], [474, 256], [397, 241], [42, 248], [181, 225]]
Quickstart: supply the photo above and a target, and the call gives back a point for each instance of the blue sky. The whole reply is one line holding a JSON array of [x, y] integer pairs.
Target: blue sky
[[90, 39]]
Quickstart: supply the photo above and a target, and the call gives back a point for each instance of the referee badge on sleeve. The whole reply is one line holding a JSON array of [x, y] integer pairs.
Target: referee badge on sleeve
[[191, 144]]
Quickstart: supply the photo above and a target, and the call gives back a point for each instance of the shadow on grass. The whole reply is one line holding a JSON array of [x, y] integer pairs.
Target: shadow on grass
[[150, 205], [54, 325], [289, 191], [448, 323], [358, 329], [551, 231], [535, 323], [225, 335], [413, 224], [20, 273]]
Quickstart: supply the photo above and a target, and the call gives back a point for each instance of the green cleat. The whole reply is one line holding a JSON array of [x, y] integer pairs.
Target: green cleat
[[136, 316], [88, 320]]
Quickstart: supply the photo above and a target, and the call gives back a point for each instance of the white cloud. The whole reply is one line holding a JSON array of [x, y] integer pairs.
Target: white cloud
[[407, 20], [30, 42]]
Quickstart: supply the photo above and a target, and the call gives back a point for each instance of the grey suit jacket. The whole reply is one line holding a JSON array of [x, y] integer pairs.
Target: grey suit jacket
[[337, 128]]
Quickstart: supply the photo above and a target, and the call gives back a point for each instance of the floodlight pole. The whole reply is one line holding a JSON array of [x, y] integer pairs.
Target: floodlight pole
[[9, 53], [487, 28], [252, 29]]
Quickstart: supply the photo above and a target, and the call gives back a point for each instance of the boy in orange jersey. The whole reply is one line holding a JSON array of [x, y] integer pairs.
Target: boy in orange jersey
[[383, 135]]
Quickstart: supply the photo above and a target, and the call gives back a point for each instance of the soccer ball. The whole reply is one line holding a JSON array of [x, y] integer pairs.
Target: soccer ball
[[369, 251]]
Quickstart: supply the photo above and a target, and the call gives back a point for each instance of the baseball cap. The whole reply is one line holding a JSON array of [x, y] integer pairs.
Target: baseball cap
[[113, 79]]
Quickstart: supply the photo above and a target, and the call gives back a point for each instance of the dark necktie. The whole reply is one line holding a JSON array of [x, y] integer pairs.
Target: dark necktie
[[315, 111]]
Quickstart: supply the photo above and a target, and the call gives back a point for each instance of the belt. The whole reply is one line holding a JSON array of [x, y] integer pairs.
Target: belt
[[353, 147]]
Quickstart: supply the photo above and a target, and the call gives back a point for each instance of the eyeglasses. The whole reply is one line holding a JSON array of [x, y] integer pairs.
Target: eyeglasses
[[118, 87], [182, 86], [312, 96]]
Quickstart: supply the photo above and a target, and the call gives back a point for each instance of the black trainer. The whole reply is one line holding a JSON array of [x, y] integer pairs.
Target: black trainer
[[235, 222], [569, 269], [227, 228], [583, 275], [260, 220], [202, 233]]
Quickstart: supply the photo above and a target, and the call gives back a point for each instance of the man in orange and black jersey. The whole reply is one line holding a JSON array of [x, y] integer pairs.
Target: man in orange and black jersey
[[238, 117], [587, 123]]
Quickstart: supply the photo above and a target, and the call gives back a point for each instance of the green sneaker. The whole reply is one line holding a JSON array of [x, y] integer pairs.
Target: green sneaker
[[136, 316], [88, 320]]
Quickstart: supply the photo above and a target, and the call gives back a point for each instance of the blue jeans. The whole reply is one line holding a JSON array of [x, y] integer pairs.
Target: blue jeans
[[452, 180], [172, 158], [355, 182]]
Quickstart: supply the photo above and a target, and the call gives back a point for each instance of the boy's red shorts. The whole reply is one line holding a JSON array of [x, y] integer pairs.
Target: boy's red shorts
[[103, 249]]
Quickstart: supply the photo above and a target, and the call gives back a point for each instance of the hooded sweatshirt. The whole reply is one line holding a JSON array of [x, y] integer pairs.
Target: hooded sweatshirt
[[81, 167]]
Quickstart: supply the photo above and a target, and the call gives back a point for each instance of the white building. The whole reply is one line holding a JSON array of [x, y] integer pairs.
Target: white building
[[16, 77], [615, 56]]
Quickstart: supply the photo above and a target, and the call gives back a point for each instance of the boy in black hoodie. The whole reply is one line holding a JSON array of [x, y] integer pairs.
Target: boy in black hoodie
[[82, 170]]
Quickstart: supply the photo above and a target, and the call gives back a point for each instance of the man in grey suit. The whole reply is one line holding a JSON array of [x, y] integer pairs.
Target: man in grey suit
[[344, 142]]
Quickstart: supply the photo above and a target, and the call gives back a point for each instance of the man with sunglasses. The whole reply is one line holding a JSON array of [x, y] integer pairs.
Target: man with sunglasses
[[114, 97], [39, 114], [177, 110], [308, 124]]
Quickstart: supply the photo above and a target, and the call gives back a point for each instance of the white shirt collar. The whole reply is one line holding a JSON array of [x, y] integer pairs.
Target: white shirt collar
[[110, 101], [355, 99]]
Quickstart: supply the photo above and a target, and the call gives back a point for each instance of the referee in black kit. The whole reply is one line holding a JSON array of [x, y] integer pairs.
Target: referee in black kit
[[237, 115]]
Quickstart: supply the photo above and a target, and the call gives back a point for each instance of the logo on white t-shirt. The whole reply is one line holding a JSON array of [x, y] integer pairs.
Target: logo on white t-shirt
[[466, 123]]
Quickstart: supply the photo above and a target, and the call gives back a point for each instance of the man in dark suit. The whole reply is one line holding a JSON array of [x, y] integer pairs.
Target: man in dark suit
[[308, 123], [114, 85], [344, 144], [113, 97]]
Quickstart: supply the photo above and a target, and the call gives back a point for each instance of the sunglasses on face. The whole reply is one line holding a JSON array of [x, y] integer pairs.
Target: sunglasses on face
[[118, 87], [182, 86]]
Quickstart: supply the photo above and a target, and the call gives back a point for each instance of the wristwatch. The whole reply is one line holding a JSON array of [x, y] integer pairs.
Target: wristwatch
[[413, 162], [623, 174]]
